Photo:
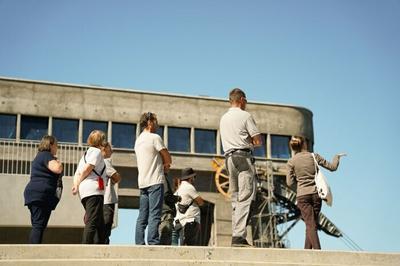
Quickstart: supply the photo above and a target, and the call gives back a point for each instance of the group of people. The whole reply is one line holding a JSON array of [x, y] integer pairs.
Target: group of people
[[170, 215]]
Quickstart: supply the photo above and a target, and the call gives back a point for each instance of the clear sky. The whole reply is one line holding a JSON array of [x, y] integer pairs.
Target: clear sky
[[340, 59]]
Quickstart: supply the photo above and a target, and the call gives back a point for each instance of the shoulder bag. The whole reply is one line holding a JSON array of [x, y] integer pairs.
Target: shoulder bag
[[323, 188]]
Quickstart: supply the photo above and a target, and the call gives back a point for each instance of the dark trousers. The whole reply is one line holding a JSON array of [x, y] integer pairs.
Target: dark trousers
[[310, 207], [108, 211], [40, 215], [190, 235], [94, 220]]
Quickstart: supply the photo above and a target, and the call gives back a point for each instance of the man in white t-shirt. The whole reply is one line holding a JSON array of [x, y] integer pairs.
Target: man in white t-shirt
[[187, 210], [153, 160], [239, 135]]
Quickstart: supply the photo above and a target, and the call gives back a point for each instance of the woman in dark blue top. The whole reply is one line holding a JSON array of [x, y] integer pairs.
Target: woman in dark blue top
[[40, 194]]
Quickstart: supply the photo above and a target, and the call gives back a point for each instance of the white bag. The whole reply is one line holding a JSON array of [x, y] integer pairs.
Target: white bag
[[323, 189]]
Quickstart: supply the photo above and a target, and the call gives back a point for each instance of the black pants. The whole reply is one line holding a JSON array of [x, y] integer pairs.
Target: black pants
[[108, 211], [310, 207], [40, 215], [191, 234], [94, 220]]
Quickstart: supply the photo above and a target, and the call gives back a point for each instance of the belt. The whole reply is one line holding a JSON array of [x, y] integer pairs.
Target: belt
[[239, 150]]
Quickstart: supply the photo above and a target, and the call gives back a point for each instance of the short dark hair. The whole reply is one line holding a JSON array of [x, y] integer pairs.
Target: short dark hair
[[145, 117], [296, 143], [46, 142], [236, 94]]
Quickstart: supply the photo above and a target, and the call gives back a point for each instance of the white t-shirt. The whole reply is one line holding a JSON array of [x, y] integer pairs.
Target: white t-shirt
[[150, 165], [89, 186], [110, 194], [188, 193], [237, 128]]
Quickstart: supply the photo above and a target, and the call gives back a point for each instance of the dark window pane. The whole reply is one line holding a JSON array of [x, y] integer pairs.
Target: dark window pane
[[66, 130], [123, 135], [160, 131], [34, 127], [179, 139], [8, 126], [261, 151], [89, 126], [280, 147], [205, 141]]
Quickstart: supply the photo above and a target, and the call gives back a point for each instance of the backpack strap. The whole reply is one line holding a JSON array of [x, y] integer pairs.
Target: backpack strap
[[94, 171]]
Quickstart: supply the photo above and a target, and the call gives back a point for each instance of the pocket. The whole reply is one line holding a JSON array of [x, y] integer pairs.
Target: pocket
[[240, 163], [246, 181]]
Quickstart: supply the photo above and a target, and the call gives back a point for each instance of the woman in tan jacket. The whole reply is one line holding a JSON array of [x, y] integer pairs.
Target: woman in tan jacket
[[301, 170]]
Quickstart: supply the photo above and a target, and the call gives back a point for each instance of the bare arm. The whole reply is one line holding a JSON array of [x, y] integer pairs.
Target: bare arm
[[199, 201], [257, 140], [166, 158], [85, 172], [55, 166], [116, 178]]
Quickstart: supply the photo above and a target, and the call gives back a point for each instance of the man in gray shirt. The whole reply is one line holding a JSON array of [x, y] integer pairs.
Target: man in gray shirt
[[239, 135]]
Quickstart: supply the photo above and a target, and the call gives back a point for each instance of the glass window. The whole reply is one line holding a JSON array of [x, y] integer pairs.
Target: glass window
[[261, 151], [34, 127], [89, 126], [123, 135], [205, 141], [8, 126], [280, 147], [179, 139], [160, 131], [66, 130]]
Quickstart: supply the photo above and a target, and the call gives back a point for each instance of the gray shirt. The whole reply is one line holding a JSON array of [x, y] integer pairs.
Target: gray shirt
[[301, 170], [237, 128], [110, 195]]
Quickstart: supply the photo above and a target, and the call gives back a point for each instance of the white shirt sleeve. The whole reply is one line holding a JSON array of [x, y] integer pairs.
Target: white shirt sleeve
[[252, 127], [93, 156], [158, 143], [110, 170]]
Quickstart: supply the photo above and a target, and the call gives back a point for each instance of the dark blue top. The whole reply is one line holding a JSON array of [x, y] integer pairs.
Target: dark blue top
[[41, 189]]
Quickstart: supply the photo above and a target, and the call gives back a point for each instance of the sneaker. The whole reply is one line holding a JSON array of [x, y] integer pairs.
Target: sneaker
[[239, 242]]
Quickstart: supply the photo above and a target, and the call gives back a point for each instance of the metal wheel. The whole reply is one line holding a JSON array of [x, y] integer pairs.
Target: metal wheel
[[221, 176]]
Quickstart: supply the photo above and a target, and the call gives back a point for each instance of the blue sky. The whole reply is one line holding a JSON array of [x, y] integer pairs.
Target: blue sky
[[340, 59]]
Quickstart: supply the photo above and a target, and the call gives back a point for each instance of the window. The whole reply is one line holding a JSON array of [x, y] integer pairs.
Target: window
[[8, 126], [280, 147], [34, 127], [261, 151], [89, 126], [123, 135], [160, 131], [205, 141], [179, 139], [66, 130]]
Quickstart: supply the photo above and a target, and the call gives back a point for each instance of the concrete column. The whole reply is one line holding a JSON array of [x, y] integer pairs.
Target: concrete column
[[18, 128], [218, 143], [80, 132], [268, 146], [109, 132], [50, 126], [192, 140], [166, 135]]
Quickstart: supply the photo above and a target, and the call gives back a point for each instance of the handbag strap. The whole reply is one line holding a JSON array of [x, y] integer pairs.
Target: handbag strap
[[102, 171], [315, 163]]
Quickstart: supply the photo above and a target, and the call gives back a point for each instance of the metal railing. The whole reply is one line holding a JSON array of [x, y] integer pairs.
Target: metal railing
[[16, 157]]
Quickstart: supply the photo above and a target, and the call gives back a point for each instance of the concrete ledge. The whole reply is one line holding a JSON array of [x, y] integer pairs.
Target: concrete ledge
[[170, 255]]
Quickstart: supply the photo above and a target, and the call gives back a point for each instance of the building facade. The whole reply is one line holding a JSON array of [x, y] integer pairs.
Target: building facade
[[189, 126]]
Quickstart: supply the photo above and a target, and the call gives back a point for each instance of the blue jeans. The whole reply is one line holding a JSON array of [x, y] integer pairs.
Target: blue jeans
[[150, 208]]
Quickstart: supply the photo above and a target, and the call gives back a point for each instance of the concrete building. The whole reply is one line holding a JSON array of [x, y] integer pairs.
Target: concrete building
[[189, 126]]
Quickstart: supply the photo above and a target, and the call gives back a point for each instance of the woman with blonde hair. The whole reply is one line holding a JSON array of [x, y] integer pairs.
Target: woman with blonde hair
[[89, 183], [302, 170], [41, 192]]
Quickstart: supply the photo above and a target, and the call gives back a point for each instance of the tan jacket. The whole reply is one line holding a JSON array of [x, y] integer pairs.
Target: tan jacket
[[301, 170]]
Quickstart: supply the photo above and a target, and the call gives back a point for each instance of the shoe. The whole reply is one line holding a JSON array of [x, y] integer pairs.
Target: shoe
[[239, 242]]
